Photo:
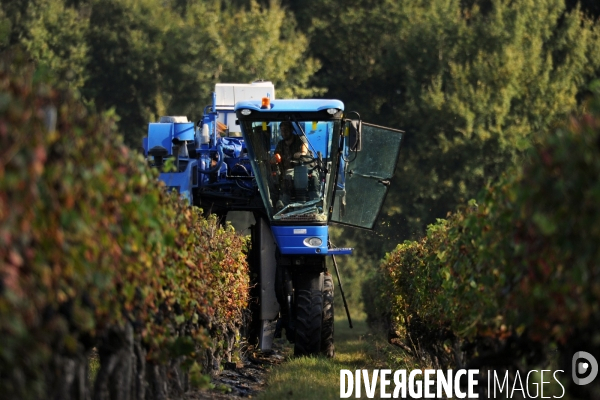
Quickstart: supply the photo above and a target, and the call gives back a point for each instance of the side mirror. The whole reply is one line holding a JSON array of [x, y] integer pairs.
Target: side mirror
[[353, 131]]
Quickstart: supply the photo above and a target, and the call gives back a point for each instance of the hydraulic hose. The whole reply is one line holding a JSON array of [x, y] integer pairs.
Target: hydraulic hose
[[217, 167]]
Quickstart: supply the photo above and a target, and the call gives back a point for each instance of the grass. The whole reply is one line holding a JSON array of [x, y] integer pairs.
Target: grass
[[358, 348], [319, 377], [93, 366]]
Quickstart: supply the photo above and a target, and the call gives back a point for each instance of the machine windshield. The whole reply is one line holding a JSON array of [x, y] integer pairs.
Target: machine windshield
[[293, 162]]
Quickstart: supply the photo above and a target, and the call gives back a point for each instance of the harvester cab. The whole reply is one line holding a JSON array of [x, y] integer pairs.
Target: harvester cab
[[297, 166]]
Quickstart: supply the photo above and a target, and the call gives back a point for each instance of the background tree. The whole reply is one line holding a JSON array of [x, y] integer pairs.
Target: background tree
[[126, 41], [219, 43], [147, 58], [471, 86], [52, 32], [590, 7]]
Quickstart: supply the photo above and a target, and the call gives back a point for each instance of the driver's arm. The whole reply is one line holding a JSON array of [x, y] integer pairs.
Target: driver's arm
[[303, 151]]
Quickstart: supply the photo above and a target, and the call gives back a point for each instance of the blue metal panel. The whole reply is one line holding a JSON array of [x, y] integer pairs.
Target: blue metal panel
[[182, 181], [319, 138], [184, 131], [291, 105], [340, 251], [290, 239], [160, 135]]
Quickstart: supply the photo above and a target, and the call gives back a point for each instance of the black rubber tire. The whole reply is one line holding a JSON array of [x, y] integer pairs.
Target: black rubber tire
[[309, 310], [327, 348]]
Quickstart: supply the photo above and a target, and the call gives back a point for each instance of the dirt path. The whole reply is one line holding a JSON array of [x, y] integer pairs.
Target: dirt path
[[304, 377], [244, 379]]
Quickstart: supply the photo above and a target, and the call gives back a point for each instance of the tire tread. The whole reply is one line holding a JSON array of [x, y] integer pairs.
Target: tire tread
[[309, 310]]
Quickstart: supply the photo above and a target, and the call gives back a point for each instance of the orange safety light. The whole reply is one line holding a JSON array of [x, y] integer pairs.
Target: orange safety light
[[266, 102], [277, 158]]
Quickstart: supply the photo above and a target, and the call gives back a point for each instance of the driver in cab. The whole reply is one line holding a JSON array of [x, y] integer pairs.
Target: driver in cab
[[290, 148]]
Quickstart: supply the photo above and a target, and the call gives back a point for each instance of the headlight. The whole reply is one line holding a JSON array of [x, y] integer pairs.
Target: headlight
[[332, 111], [245, 111], [313, 242]]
